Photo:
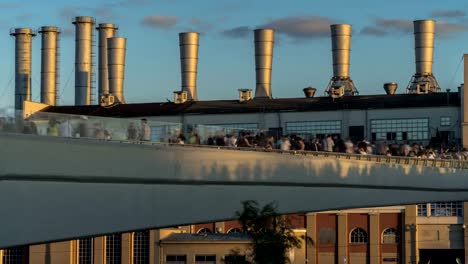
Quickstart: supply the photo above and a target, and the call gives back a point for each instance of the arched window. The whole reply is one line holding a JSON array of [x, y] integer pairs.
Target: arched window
[[234, 230], [327, 235], [390, 236], [204, 231], [359, 236]]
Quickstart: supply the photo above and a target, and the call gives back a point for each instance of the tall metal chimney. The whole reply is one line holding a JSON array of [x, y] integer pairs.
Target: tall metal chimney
[[423, 81], [83, 59], [23, 45], [49, 64], [188, 43], [106, 30], [341, 49], [264, 42], [116, 67]]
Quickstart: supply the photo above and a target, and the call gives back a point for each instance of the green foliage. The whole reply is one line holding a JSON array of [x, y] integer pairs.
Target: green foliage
[[272, 237]]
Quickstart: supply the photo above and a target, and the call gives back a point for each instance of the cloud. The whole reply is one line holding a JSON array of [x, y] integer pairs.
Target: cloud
[[67, 32], [373, 30], [69, 12], [447, 30], [395, 25], [237, 32], [162, 22], [24, 17], [301, 27], [448, 13], [9, 5]]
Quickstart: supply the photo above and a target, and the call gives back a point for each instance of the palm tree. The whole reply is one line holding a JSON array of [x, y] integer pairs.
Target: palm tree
[[272, 237]]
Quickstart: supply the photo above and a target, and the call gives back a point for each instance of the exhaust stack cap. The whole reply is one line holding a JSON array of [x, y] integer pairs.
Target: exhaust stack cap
[[309, 92], [264, 42], [180, 97], [390, 88], [245, 95]]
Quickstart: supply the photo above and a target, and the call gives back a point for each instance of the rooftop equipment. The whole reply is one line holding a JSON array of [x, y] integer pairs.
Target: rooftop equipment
[[23, 43], [83, 59], [105, 30], [188, 43], [264, 42], [245, 95], [309, 92], [180, 97], [423, 81], [116, 48], [390, 88], [49, 64], [341, 47]]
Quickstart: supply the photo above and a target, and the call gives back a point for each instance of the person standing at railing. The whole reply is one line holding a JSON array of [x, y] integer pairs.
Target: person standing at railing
[[53, 129], [330, 144], [145, 131], [65, 128], [132, 132]]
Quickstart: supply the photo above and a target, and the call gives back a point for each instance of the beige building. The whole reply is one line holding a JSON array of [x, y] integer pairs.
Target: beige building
[[398, 234]]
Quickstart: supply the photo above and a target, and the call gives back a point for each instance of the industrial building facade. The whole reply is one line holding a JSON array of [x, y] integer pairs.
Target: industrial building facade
[[398, 234]]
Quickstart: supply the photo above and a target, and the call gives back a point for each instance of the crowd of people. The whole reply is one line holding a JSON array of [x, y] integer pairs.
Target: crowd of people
[[82, 127]]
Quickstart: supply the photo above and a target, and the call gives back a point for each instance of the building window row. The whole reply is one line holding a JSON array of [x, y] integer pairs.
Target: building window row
[[85, 250], [141, 247], [16, 255], [182, 259], [113, 249], [312, 129], [360, 236], [441, 209], [400, 129]]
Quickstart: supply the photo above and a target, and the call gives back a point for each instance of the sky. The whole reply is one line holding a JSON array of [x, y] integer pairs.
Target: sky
[[382, 43]]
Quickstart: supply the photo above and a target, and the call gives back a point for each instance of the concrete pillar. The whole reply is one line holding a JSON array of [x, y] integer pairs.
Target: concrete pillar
[[1, 256], [374, 238], [465, 229], [311, 248], [342, 238], [127, 248], [99, 252], [219, 226], [465, 102], [410, 248], [73, 249]]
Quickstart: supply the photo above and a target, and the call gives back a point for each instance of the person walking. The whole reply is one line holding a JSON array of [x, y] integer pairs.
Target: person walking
[[145, 131]]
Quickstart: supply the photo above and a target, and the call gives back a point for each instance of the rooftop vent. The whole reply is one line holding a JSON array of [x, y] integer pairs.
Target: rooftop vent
[[107, 100], [180, 97], [309, 92], [245, 95], [390, 88]]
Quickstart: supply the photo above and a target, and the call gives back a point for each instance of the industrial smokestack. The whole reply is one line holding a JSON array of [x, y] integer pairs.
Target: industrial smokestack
[[83, 59], [106, 30], [23, 45], [264, 41], [188, 42], [49, 64], [116, 67], [341, 49], [423, 81]]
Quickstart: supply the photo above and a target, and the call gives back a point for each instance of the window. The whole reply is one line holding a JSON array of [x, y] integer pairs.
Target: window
[[235, 259], [14, 255], [445, 121], [163, 132], [422, 209], [447, 209], [176, 259], [327, 236], [231, 128], [113, 248], [359, 236], [204, 231], [400, 129], [312, 129], [390, 236], [141, 247], [85, 250], [205, 259], [234, 231]]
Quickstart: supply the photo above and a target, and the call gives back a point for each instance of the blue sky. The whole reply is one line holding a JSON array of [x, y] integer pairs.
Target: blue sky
[[382, 43]]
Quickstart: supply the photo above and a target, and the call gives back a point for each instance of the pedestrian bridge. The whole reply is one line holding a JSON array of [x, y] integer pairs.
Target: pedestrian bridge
[[62, 188]]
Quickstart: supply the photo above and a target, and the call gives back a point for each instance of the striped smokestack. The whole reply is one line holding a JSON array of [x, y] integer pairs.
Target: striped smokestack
[[23, 44], [105, 30], [188, 43], [264, 42], [116, 48], [49, 64], [83, 59]]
